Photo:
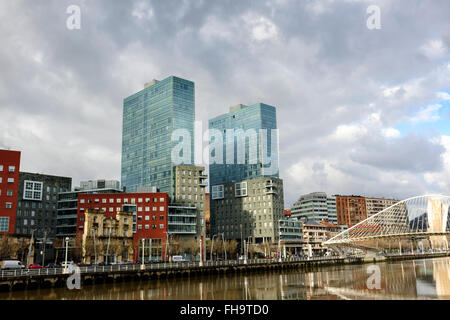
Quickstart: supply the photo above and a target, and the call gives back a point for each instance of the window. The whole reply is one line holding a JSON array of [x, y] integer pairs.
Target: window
[[8, 205], [103, 200], [161, 199], [161, 226], [11, 168], [1, 167], [111, 209], [147, 218], [217, 192], [161, 217], [140, 200], [10, 180], [147, 227], [111, 200], [154, 208], [9, 193], [1, 179], [81, 200], [139, 227], [154, 226], [161, 208], [147, 209], [4, 224], [240, 189], [118, 200]]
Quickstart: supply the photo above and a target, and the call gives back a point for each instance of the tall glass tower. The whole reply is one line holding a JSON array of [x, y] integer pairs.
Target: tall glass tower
[[149, 118], [258, 116]]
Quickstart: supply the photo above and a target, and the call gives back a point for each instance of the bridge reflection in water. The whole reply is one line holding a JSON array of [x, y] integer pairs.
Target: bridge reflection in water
[[414, 279]]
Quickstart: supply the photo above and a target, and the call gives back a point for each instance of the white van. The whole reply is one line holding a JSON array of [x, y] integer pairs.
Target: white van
[[178, 259], [12, 264]]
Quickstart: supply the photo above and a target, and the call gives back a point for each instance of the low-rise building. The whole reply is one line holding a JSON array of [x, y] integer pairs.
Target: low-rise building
[[291, 235], [107, 238], [248, 209], [9, 188], [316, 206]]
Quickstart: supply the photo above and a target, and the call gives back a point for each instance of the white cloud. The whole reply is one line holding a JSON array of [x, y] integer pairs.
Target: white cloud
[[443, 95], [427, 114], [434, 49], [390, 133]]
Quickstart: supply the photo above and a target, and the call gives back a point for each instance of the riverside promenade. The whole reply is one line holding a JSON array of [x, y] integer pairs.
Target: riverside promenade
[[56, 277]]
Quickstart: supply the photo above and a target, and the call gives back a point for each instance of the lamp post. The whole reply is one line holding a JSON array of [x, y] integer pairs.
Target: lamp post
[[142, 258], [201, 253], [43, 248], [67, 248], [212, 245], [95, 248], [223, 242]]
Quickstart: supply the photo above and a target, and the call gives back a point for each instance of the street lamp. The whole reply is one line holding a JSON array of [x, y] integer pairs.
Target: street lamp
[[142, 258], [67, 247], [212, 245], [223, 242]]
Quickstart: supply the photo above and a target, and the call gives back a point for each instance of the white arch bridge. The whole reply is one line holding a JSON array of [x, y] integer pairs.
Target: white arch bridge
[[422, 220]]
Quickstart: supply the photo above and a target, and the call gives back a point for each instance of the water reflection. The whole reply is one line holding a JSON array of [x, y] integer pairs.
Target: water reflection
[[421, 279]]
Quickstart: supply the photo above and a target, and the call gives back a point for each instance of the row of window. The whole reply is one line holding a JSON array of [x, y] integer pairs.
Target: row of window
[[10, 168], [119, 200], [9, 193], [140, 209], [147, 227], [10, 180]]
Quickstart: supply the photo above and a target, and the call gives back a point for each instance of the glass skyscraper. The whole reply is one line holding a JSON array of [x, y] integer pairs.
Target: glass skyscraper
[[258, 116], [150, 116]]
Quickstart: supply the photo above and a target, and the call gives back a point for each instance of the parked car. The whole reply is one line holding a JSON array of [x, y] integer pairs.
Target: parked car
[[11, 264], [53, 265], [81, 264], [63, 264], [35, 266], [103, 263], [178, 259]]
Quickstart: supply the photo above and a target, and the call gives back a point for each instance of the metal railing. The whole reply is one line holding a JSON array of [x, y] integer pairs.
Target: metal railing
[[20, 273]]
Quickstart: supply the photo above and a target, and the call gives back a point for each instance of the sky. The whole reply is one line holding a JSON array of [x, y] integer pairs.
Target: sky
[[360, 111]]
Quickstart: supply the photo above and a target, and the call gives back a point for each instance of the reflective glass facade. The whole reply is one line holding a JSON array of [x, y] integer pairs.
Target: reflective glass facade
[[257, 116], [149, 118]]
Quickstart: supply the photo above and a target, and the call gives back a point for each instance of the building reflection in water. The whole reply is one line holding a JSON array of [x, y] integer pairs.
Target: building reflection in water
[[421, 279]]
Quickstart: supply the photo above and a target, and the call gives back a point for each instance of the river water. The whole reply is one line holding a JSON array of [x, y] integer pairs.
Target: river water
[[414, 279]]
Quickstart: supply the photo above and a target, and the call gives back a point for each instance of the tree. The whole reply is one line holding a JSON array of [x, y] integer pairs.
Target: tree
[[231, 247]]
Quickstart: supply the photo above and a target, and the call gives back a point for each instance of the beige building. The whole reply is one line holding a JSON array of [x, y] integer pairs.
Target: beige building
[[249, 209], [107, 238], [189, 187], [375, 205]]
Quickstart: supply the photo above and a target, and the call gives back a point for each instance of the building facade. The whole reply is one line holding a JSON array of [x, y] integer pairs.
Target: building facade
[[242, 153], [38, 202], [249, 209], [9, 187], [316, 206], [105, 238], [67, 210], [375, 205], [350, 209], [149, 211], [354, 209], [150, 116], [189, 189], [100, 184]]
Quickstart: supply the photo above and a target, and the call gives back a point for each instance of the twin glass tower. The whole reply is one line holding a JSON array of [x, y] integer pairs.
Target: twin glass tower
[[151, 115]]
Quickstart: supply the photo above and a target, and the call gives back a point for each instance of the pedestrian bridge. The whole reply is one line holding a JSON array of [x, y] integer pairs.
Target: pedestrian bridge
[[422, 220]]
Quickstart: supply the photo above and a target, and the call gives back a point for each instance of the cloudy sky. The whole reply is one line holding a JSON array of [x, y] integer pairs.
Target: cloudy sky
[[360, 111]]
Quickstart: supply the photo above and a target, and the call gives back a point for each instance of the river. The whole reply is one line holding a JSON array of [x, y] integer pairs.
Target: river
[[413, 279]]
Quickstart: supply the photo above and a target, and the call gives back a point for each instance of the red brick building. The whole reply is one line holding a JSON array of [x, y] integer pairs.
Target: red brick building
[[350, 210], [151, 218], [9, 187]]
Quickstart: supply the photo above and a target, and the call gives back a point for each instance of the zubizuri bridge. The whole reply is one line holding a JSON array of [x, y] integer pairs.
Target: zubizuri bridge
[[415, 226], [58, 277]]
